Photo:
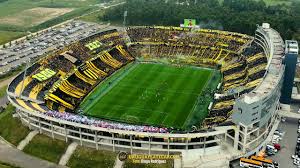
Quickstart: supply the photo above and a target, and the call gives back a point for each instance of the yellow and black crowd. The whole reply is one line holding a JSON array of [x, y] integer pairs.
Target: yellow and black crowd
[[239, 78], [59, 82]]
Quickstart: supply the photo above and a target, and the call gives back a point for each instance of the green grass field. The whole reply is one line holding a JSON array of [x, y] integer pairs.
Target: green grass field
[[154, 94]]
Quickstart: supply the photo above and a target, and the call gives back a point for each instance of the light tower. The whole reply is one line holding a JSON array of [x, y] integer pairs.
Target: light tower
[[124, 19], [24, 77]]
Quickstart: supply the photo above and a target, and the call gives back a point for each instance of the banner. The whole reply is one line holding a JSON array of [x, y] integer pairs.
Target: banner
[[44, 75], [189, 23]]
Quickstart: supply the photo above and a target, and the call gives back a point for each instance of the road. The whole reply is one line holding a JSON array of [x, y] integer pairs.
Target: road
[[4, 99], [18, 158], [6, 81]]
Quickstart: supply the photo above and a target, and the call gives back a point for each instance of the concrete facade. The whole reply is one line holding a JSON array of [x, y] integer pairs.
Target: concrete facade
[[255, 112]]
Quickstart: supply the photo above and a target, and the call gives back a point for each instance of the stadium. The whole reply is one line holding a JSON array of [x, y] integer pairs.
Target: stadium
[[195, 92]]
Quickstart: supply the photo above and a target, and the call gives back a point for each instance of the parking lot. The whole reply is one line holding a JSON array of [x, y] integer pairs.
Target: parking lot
[[288, 143], [17, 54]]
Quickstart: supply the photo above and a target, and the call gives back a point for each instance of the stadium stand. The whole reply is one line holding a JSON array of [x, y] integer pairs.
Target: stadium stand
[[202, 37], [68, 92], [62, 80], [240, 77]]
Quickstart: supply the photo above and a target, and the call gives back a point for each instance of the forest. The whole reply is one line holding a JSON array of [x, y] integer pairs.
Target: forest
[[231, 15]]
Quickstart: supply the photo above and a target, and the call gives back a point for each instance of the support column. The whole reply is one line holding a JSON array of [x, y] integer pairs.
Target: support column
[[80, 136], [40, 127], [29, 121], [204, 145], [149, 145], [245, 139], [52, 131], [96, 140], [131, 144], [267, 128], [66, 133], [257, 132], [113, 139], [168, 146], [187, 143], [236, 138]]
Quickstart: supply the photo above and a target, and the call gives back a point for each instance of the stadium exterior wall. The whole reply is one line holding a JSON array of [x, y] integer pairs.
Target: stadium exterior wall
[[118, 140], [255, 111]]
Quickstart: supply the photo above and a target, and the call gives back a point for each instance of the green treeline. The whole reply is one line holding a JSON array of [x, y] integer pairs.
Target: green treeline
[[231, 15]]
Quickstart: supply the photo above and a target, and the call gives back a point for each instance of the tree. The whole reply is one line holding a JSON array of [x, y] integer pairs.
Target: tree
[[231, 15]]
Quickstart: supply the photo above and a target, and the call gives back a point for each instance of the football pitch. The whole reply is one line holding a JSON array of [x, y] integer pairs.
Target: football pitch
[[151, 94]]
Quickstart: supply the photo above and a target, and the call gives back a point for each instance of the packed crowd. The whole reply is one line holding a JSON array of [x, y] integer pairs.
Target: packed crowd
[[104, 124], [234, 68], [221, 112], [70, 92], [236, 75], [198, 53], [29, 87], [73, 57], [59, 62], [226, 40], [20, 77], [100, 41]]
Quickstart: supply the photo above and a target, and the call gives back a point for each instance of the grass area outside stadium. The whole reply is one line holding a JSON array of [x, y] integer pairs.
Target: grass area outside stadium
[[6, 165], [7, 36], [90, 158], [11, 129], [3, 91], [36, 15], [154, 94], [46, 148]]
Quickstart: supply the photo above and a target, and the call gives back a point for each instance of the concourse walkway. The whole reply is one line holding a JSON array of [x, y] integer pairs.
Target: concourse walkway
[[289, 114]]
